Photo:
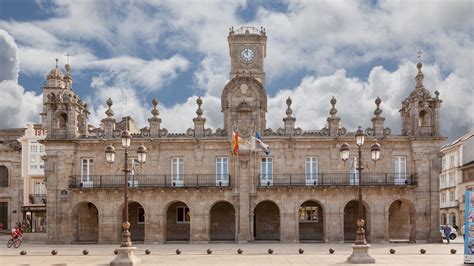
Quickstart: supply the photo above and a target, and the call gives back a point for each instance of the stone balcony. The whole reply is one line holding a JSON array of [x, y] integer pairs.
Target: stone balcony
[[337, 179]]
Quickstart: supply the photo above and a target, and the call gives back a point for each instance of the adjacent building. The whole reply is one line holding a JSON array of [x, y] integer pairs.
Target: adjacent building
[[11, 184], [193, 188], [455, 178], [34, 186]]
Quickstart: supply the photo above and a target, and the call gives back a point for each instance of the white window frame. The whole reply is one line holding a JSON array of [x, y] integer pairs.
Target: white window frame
[[86, 172], [138, 215], [353, 172], [222, 171], [399, 169], [183, 210], [266, 171], [311, 170], [452, 195], [177, 170], [35, 151], [39, 187], [451, 161], [443, 196]]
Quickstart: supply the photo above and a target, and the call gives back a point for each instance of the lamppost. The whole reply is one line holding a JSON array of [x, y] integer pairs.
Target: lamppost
[[360, 247], [125, 252]]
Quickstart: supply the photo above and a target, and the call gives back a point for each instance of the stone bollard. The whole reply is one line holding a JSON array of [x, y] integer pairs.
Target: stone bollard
[[85, 252], [270, 251], [178, 251], [147, 252], [392, 251], [240, 251], [54, 252], [422, 251], [209, 251], [331, 250], [301, 251]]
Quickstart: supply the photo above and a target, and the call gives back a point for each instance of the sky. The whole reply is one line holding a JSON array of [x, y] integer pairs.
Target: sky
[[176, 51]]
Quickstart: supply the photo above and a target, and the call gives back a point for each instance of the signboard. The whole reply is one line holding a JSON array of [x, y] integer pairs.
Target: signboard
[[469, 228]]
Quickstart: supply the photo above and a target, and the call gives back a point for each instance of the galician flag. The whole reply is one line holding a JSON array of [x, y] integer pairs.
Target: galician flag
[[260, 144]]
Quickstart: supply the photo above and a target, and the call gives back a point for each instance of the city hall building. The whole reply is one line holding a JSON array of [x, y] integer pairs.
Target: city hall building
[[193, 188]]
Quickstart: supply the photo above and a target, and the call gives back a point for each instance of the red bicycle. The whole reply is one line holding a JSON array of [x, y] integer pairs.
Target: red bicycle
[[16, 240]]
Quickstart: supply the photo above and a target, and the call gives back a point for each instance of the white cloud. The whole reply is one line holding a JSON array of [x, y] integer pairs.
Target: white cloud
[[18, 106]]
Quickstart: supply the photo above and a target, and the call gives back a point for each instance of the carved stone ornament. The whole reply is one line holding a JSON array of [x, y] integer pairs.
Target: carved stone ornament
[[190, 132]]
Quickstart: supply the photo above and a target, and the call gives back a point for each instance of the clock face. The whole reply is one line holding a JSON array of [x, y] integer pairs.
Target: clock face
[[247, 54]]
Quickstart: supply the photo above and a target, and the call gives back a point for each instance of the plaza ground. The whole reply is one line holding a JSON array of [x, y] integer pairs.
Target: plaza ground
[[226, 254]]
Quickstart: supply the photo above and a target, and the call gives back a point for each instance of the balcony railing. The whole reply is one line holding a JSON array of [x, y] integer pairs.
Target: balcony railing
[[449, 204], [150, 181], [338, 179], [37, 198]]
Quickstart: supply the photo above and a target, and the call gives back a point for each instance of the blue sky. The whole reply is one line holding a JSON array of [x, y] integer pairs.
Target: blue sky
[[176, 51]]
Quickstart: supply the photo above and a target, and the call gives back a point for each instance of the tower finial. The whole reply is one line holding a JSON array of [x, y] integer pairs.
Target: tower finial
[[199, 110], [56, 62], [418, 55]]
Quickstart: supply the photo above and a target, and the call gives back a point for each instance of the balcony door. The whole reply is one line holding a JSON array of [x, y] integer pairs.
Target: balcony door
[[222, 177], [311, 171], [86, 172], [400, 165], [266, 171], [353, 173], [177, 165]]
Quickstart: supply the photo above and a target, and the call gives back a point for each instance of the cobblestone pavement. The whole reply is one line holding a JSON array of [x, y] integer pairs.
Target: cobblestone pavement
[[226, 254]]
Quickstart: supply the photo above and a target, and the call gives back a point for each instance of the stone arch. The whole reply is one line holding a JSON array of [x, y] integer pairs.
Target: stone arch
[[424, 118], [136, 218], [61, 120], [452, 218], [85, 222], [266, 221], [222, 226], [311, 221], [350, 219], [401, 220], [177, 221]]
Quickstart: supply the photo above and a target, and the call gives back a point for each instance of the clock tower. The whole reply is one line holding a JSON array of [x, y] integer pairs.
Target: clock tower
[[247, 48], [244, 99]]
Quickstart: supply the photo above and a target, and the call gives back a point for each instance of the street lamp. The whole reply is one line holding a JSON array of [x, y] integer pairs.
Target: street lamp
[[125, 252], [360, 248]]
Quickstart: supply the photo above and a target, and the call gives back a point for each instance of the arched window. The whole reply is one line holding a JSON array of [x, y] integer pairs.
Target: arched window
[[62, 121], [424, 119], [3, 176]]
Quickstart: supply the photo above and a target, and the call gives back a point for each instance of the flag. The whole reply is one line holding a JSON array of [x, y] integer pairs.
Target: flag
[[235, 142], [259, 143]]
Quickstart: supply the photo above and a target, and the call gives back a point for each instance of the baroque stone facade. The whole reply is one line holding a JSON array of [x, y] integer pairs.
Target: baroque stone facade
[[193, 188]]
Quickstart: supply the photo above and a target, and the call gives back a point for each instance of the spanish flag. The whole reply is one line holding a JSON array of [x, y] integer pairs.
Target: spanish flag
[[235, 142]]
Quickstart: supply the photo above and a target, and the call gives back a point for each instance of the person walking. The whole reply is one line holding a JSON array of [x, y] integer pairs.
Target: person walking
[[447, 232], [463, 231]]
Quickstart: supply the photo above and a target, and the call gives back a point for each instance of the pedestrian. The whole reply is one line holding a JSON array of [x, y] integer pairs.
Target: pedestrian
[[463, 229], [447, 232]]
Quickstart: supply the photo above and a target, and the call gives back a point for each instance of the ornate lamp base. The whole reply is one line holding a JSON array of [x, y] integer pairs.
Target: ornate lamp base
[[360, 254], [125, 257]]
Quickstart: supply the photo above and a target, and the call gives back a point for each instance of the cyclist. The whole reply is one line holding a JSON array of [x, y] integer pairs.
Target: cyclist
[[17, 232]]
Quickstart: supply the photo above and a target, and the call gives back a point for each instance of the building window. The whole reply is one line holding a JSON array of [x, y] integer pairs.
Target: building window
[[452, 195], [177, 165], [399, 169], [182, 215], [311, 170], [443, 163], [36, 150], [451, 161], [222, 178], [452, 179], [443, 180], [86, 172], [353, 173], [39, 187], [309, 214], [266, 171], [3, 176], [443, 196], [141, 215]]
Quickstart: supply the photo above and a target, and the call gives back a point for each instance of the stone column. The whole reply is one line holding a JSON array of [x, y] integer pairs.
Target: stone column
[[199, 224], [244, 180], [107, 228], [288, 223]]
